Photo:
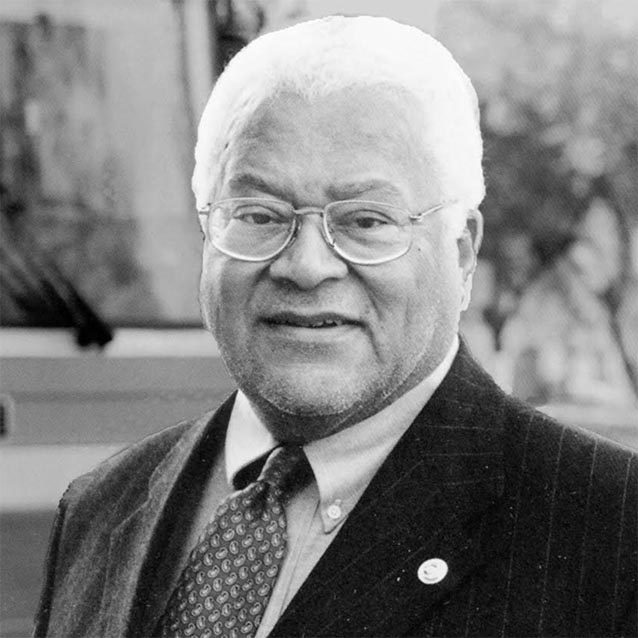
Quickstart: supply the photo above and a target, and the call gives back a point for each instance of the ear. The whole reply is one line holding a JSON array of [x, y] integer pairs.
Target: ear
[[202, 225], [468, 244]]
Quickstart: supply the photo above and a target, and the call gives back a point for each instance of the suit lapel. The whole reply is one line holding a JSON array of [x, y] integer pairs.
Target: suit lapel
[[424, 502], [131, 541]]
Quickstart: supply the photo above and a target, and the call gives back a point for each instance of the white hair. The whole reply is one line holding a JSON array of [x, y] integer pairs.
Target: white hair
[[320, 57]]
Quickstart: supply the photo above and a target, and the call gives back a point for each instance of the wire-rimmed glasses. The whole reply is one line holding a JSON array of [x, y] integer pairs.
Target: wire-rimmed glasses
[[361, 232]]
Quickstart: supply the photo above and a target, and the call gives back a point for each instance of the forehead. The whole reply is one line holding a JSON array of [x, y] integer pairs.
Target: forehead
[[353, 140]]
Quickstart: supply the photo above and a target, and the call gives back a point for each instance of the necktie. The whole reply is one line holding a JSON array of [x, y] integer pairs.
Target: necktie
[[226, 585]]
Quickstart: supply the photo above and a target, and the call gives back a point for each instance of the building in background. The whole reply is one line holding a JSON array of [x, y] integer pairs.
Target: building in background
[[99, 250], [100, 341], [99, 104]]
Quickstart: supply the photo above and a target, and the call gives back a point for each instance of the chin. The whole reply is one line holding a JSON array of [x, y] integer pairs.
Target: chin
[[294, 422], [313, 398], [302, 413]]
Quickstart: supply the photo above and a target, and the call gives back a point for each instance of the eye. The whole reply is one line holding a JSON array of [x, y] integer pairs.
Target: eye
[[369, 221], [366, 219], [258, 215]]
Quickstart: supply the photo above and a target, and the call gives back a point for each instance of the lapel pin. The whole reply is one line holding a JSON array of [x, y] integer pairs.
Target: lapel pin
[[432, 571]]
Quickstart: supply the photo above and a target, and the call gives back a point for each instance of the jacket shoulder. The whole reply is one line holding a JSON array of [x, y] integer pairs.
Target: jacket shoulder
[[121, 481], [571, 509], [538, 446]]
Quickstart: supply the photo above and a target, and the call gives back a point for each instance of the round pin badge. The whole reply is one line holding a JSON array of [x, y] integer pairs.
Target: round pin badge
[[432, 571]]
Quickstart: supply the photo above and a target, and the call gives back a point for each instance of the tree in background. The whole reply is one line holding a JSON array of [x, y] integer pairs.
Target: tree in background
[[559, 87]]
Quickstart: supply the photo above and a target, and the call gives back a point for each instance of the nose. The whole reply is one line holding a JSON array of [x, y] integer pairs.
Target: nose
[[309, 260]]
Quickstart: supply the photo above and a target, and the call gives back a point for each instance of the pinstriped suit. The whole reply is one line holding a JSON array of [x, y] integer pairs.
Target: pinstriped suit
[[537, 523]]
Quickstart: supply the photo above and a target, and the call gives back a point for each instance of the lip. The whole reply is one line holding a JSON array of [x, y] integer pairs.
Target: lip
[[312, 321]]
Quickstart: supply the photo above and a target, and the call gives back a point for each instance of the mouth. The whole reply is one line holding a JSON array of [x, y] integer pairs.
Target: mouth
[[312, 321]]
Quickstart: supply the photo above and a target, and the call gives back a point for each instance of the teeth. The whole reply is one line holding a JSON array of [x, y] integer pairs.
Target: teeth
[[318, 324], [325, 324]]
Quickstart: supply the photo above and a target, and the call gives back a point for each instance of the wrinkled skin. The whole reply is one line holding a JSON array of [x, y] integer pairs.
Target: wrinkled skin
[[395, 321]]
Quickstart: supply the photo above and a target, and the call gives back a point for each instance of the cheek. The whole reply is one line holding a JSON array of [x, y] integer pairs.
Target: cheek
[[206, 291], [401, 295], [222, 288], [434, 291]]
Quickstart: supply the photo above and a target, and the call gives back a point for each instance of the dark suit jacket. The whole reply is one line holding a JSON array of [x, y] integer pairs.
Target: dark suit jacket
[[536, 521]]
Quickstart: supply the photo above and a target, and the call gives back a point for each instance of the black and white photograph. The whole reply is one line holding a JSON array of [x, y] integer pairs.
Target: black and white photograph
[[318, 318]]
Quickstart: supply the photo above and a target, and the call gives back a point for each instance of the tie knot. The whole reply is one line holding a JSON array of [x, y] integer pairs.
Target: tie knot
[[286, 469]]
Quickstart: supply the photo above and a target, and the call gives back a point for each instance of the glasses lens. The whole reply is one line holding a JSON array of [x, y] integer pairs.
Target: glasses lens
[[247, 228], [369, 232]]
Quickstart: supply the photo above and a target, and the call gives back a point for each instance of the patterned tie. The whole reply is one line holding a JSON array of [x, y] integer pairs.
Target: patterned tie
[[226, 585]]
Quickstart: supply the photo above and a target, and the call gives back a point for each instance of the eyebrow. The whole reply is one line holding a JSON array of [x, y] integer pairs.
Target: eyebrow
[[352, 190], [337, 191], [260, 183]]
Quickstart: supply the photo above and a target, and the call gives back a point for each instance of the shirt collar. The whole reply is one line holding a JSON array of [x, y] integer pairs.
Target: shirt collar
[[345, 462]]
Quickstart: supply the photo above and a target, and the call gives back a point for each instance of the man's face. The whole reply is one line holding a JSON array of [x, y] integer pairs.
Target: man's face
[[316, 343]]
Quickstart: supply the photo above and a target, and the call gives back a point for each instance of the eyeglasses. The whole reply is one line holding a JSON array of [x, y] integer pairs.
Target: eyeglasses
[[361, 232]]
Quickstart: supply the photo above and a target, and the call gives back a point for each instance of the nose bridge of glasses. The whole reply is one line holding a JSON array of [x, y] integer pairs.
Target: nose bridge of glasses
[[305, 211], [309, 210]]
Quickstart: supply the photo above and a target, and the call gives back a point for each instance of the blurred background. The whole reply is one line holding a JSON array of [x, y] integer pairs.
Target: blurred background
[[100, 338]]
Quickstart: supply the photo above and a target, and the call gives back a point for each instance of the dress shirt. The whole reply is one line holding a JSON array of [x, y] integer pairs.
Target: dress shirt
[[343, 465]]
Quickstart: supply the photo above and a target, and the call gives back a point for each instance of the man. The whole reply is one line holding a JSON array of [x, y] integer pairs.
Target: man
[[338, 175]]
